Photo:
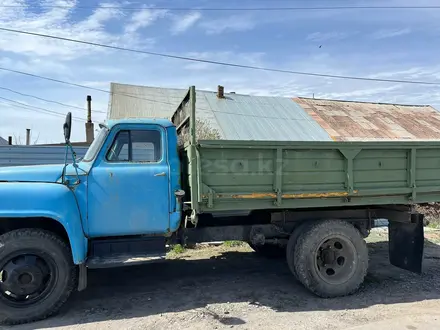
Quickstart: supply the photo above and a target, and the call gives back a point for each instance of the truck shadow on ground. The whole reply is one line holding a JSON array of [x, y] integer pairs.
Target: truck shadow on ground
[[234, 277]]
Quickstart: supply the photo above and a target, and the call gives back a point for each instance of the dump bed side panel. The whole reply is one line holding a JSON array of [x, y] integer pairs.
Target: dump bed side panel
[[234, 175]]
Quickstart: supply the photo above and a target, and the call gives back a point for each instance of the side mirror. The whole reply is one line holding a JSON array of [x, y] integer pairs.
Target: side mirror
[[67, 127]]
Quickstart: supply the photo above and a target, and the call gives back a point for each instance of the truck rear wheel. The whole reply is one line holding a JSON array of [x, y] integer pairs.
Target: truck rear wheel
[[37, 275], [331, 258], [291, 245]]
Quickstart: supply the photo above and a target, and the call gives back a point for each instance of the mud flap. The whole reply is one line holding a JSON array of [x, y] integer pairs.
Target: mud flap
[[406, 241]]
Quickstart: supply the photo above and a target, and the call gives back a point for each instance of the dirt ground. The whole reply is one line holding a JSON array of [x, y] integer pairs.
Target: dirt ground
[[226, 287]]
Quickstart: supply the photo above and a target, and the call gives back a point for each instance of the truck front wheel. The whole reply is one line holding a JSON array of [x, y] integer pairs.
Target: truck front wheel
[[37, 275], [331, 258]]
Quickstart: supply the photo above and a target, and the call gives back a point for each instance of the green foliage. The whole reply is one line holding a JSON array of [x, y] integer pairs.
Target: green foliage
[[177, 249], [434, 223], [233, 243]]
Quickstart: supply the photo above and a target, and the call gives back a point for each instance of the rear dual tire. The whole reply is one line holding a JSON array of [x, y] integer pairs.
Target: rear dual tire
[[37, 275], [330, 258]]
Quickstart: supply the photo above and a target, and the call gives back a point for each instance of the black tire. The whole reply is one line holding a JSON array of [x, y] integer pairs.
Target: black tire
[[331, 258], [51, 260], [291, 245], [269, 250]]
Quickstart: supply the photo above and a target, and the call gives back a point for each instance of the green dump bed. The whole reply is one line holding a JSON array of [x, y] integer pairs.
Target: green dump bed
[[249, 175], [246, 175]]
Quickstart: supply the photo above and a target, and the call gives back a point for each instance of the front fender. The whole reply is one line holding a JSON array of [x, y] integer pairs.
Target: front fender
[[49, 200]]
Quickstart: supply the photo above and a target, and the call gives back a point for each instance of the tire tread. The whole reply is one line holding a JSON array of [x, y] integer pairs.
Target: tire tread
[[302, 252], [64, 249]]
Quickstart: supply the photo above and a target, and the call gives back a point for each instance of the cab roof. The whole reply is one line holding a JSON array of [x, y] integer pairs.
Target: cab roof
[[157, 121]]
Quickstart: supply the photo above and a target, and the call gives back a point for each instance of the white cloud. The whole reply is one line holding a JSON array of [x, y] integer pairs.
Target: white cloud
[[325, 36], [96, 84], [411, 73], [228, 24], [361, 93], [61, 22], [35, 65], [143, 19], [248, 58], [390, 33], [181, 24]]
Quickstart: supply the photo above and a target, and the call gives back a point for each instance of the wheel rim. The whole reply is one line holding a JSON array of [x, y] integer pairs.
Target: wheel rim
[[26, 278], [335, 259]]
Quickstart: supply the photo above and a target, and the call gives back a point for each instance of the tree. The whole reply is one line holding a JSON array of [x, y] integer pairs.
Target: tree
[[19, 141], [203, 132]]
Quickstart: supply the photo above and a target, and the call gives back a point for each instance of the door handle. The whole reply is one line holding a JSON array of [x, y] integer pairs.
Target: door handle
[[160, 174]]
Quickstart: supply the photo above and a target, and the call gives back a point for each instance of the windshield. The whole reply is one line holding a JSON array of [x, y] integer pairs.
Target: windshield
[[96, 145]]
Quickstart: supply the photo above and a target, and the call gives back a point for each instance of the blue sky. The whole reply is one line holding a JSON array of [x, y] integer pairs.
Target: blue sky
[[392, 44]]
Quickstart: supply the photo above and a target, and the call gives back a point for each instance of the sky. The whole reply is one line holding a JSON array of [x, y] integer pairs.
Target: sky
[[390, 44]]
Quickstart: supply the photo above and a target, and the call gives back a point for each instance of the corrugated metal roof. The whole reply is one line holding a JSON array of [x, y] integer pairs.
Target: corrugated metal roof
[[3, 142], [36, 155], [235, 117], [362, 121], [131, 101], [244, 117]]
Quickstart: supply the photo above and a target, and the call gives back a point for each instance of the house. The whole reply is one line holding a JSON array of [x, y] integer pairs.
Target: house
[[248, 117], [3, 142], [234, 117]]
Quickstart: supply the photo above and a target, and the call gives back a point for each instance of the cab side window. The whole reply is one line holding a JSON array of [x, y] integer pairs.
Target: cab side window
[[136, 146]]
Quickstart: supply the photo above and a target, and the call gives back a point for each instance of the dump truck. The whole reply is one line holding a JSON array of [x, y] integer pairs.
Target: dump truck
[[145, 184]]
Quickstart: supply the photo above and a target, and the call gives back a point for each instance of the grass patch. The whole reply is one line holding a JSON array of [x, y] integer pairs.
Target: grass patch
[[177, 249], [233, 243], [434, 224]]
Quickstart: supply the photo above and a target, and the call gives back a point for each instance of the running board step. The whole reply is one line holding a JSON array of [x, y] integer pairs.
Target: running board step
[[125, 251], [122, 260]]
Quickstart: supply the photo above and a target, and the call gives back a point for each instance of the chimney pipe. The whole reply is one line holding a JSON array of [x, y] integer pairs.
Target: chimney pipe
[[89, 109], [220, 92], [90, 131], [10, 140], [28, 136]]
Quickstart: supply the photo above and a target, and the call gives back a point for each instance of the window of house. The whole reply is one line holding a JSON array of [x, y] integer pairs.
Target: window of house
[[136, 146]]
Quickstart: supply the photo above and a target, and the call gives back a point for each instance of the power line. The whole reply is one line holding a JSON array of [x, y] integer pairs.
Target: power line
[[235, 65], [50, 101], [38, 109], [224, 8], [82, 86], [28, 109]]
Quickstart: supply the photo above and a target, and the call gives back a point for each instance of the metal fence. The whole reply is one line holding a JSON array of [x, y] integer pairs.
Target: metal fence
[[36, 155]]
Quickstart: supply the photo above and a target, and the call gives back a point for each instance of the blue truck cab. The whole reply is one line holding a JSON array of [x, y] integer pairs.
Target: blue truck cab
[[116, 206]]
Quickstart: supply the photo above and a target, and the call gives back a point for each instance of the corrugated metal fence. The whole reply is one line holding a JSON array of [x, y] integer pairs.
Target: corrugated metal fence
[[36, 155]]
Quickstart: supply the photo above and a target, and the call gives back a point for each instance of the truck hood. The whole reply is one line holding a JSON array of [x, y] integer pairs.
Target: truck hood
[[37, 173]]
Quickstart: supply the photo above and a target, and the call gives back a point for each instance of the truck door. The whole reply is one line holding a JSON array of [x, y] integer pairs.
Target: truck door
[[128, 186]]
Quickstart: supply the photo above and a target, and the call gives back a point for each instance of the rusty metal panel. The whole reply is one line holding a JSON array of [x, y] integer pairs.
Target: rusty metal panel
[[35, 155], [362, 121]]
